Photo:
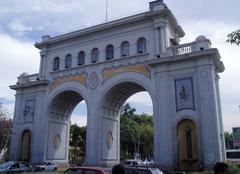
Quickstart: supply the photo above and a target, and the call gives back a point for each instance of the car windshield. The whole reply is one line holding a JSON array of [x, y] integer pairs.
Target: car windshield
[[156, 171], [44, 163], [6, 164], [128, 162]]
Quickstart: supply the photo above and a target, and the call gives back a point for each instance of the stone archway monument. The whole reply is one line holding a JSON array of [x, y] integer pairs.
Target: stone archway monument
[[104, 65]]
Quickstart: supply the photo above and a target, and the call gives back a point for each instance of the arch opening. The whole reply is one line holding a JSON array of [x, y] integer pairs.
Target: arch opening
[[188, 151], [26, 146], [113, 104], [65, 142]]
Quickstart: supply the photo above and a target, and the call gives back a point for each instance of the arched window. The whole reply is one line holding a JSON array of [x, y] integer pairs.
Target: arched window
[[141, 45], [81, 58], [188, 138], [125, 49], [68, 61], [109, 52], [56, 63], [95, 55]]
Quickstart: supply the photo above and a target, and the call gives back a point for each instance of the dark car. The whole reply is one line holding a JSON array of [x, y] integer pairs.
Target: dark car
[[15, 167], [142, 170], [88, 170]]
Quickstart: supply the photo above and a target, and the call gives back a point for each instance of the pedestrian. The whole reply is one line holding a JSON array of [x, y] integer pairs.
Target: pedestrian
[[221, 168], [118, 169]]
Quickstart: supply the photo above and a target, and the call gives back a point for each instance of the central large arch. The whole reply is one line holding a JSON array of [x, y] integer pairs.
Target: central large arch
[[116, 94]]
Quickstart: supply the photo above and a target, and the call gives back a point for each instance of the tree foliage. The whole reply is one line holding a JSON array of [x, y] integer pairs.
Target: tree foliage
[[5, 129], [228, 140], [77, 143], [234, 37], [136, 134]]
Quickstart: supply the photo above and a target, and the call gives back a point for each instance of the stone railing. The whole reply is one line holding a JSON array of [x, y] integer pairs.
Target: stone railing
[[201, 43], [180, 49], [25, 78]]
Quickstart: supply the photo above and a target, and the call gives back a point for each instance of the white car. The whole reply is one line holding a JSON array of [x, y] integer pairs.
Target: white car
[[47, 166], [15, 167]]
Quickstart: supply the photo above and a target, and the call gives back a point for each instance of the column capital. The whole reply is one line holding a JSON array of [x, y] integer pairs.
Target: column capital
[[159, 25]]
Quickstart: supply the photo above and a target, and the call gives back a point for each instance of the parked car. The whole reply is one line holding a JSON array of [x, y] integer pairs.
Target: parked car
[[15, 167], [133, 162], [142, 170], [88, 170], [46, 166]]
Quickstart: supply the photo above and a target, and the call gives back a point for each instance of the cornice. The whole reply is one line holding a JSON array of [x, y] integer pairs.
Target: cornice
[[212, 53], [30, 85], [149, 15]]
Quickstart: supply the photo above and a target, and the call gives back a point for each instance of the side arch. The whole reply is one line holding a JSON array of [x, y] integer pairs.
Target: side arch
[[26, 145], [60, 104], [187, 144]]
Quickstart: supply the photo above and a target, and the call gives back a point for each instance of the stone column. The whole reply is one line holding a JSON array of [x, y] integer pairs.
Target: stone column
[[163, 144], [160, 41], [208, 117], [220, 121], [92, 145], [16, 135], [163, 41], [42, 64], [157, 29]]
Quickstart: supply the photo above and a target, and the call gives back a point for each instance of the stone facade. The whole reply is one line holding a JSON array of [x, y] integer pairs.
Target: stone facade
[[144, 55]]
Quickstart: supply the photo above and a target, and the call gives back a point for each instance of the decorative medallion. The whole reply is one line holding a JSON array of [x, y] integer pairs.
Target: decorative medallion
[[184, 94], [57, 141], [109, 140], [93, 81]]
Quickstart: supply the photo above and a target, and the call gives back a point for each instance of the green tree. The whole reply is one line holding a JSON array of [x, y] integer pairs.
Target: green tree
[[77, 143], [234, 37], [129, 137], [5, 127], [136, 133], [228, 140]]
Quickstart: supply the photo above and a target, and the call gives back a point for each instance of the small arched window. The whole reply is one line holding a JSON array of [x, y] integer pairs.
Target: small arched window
[[141, 45], [81, 58], [68, 61], [109, 52], [95, 55], [188, 137], [125, 49], [56, 63]]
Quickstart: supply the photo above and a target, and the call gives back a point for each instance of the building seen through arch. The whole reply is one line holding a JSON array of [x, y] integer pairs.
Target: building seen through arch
[[129, 55]]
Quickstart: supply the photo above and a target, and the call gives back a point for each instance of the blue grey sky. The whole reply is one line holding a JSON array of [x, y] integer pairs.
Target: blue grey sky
[[23, 22]]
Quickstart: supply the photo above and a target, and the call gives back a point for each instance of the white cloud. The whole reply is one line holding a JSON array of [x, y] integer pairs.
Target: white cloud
[[19, 27], [80, 120], [16, 57]]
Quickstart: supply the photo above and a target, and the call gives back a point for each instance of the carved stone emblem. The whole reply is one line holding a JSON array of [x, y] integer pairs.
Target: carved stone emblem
[[184, 94], [28, 112], [93, 81], [57, 141], [109, 140]]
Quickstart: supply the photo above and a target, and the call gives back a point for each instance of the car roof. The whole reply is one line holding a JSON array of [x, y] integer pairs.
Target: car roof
[[91, 168]]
